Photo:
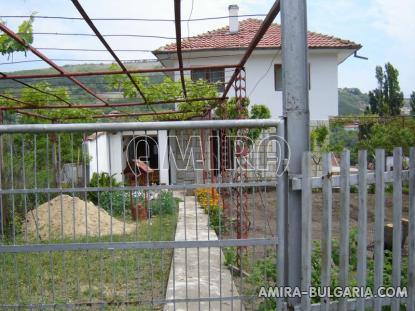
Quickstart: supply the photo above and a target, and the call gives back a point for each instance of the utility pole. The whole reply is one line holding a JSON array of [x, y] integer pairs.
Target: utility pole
[[297, 126]]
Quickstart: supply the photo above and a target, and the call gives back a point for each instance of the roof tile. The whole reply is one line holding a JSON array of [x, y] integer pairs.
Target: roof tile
[[221, 39]]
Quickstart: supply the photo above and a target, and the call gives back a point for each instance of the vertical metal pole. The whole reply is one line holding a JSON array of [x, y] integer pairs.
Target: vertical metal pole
[[281, 209], [2, 216], [296, 112]]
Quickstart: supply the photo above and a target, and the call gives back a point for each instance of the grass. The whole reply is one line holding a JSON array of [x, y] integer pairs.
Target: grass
[[109, 276]]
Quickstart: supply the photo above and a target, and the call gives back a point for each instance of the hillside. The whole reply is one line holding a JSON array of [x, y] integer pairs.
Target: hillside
[[96, 83], [352, 101]]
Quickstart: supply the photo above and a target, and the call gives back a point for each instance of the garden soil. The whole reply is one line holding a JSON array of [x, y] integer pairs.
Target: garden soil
[[70, 217]]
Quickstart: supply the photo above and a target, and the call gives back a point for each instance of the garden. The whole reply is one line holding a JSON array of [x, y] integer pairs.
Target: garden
[[136, 277]]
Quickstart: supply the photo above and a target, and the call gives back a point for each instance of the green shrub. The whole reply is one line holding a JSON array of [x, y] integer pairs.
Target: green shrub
[[101, 180], [115, 203], [216, 219], [230, 255], [388, 188], [164, 204], [264, 271]]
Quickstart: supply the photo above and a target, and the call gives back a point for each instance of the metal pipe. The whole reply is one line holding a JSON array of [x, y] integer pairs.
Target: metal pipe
[[107, 46], [296, 112], [113, 105], [27, 105], [35, 115], [177, 22], [109, 72], [272, 14], [137, 126], [282, 184], [121, 115], [35, 51], [38, 89]]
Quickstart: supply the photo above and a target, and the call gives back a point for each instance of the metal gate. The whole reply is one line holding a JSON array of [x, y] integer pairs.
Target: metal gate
[[359, 237], [169, 225]]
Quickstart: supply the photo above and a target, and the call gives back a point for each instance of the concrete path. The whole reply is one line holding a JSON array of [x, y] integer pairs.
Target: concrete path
[[198, 273]]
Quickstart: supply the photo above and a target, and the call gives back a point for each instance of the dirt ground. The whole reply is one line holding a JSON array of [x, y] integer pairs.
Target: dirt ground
[[263, 218], [262, 213]]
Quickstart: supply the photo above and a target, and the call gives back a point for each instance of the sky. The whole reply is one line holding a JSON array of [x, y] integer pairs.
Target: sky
[[385, 31]]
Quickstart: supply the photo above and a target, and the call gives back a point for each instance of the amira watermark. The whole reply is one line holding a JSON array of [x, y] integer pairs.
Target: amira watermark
[[206, 153], [333, 292]]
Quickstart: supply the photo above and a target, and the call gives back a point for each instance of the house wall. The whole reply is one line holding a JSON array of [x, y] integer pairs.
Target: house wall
[[115, 153], [107, 155], [98, 154], [260, 79], [188, 156], [163, 157]]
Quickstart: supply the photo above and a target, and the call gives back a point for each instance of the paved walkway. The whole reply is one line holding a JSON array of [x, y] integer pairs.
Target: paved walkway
[[198, 273]]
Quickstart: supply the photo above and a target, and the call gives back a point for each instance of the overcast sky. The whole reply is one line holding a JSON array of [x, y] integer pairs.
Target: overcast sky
[[385, 29]]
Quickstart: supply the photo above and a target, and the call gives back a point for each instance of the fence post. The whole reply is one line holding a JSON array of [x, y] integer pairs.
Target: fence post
[[362, 225], [379, 224], [281, 214], [411, 233], [296, 112], [306, 238], [397, 223], [344, 225], [326, 228]]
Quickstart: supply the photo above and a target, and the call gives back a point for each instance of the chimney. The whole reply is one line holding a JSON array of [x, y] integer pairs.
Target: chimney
[[233, 18]]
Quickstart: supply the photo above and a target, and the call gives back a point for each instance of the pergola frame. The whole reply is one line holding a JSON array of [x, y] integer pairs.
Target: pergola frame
[[62, 73]]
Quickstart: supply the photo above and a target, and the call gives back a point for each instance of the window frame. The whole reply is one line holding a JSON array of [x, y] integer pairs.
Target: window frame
[[279, 65], [207, 76]]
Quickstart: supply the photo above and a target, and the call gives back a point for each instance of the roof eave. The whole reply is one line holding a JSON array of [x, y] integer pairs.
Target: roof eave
[[353, 48]]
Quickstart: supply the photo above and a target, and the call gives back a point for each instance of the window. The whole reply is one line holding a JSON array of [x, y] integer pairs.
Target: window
[[278, 77], [210, 75]]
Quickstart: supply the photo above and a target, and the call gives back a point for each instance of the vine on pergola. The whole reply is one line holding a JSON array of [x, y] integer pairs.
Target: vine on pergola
[[168, 89], [8, 45]]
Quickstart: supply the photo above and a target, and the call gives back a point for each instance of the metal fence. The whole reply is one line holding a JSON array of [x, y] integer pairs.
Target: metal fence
[[358, 230], [183, 215], [107, 216]]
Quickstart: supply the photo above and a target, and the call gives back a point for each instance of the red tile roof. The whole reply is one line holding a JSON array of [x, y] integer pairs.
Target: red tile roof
[[222, 39]]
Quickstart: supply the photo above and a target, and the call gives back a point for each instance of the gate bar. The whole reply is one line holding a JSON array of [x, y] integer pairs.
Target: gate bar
[[137, 126], [110, 246]]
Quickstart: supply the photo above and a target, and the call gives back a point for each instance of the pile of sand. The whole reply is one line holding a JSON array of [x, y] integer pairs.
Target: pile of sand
[[72, 217]]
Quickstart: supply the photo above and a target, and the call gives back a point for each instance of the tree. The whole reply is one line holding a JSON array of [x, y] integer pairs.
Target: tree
[[9, 45], [230, 110], [387, 98], [412, 103], [387, 137], [168, 89]]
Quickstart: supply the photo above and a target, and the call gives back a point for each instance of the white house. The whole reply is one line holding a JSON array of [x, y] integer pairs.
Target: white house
[[226, 45], [114, 152]]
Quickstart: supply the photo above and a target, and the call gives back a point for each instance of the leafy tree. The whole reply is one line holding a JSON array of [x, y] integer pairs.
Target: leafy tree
[[387, 98], [9, 45], [168, 89], [230, 110], [387, 137], [412, 103], [319, 138]]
